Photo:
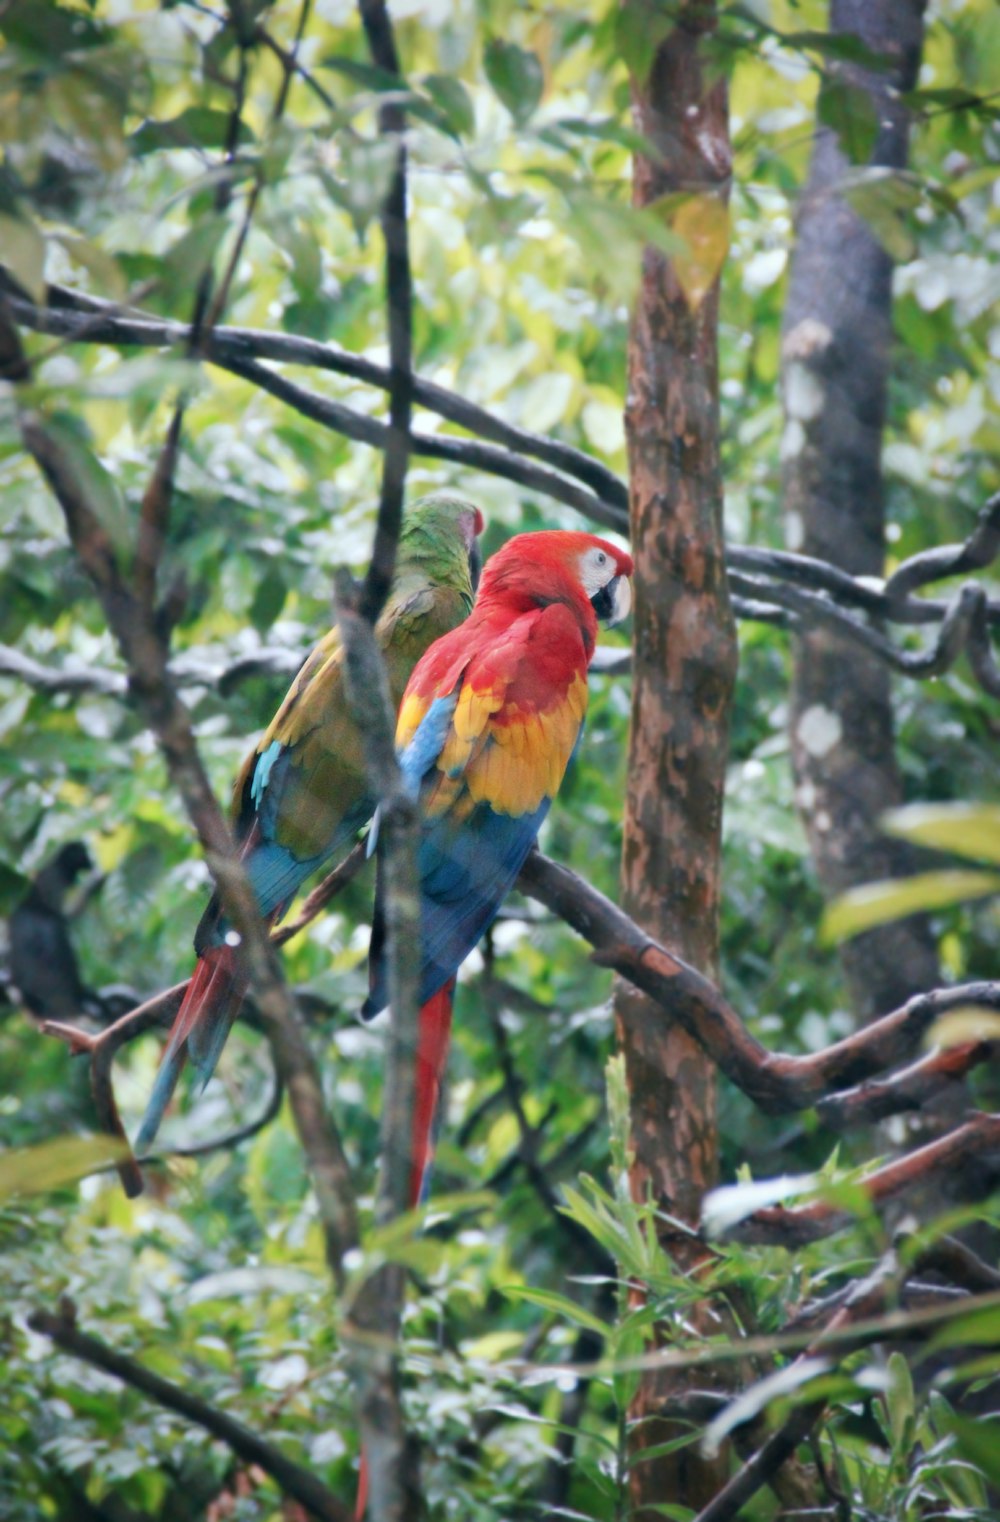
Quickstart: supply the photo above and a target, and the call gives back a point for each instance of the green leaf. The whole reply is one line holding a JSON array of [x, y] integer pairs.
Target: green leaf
[[560, 1305], [268, 600], [968, 829], [748, 1405], [879, 903], [102, 492], [724, 1208], [845, 47], [884, 198], [99, 264], [34, 1170], [187, 260], [382, 81], [452, 100], [22, 249], [980, 1327], [979, 1442], [195, 127], [850, 111], [517, 77], [900, 1403]]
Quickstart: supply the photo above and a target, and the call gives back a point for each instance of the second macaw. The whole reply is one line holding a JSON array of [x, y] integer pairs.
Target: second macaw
[[303, 794], [488, 722]]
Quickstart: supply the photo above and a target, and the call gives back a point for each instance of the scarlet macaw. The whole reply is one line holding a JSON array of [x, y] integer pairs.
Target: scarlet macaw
[[489, 720], [302, 795]]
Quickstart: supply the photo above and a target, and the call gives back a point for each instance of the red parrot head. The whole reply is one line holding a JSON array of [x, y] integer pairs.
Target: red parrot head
[[558, 565]]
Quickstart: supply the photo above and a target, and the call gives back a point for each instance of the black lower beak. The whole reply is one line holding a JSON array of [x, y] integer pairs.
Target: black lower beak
[[613, 601], [475, 563]]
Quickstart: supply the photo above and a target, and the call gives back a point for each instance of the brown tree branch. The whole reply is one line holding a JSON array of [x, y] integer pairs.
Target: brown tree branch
[[399, 305], [793, 1227], [373, 1317], [778, 1083], [290, 1477]]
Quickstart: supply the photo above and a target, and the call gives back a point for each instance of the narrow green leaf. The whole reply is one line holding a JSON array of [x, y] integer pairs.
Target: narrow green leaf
[[879, 903], [968, 829], [900, 1403], [196, 127], [52, 1164], [979, 1442], [560, 1305], [453, 102], [784, 1382]]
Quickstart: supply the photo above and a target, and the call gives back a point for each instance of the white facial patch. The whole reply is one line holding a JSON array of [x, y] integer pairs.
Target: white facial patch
[[597, 568]]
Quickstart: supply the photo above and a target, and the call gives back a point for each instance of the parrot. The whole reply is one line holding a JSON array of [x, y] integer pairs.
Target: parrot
[[302, 795], [488, 722]]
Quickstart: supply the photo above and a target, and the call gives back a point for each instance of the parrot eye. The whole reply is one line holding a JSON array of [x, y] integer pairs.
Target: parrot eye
[[597, 568]]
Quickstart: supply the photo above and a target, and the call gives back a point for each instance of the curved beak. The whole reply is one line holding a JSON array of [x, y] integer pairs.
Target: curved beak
[[614, 601]]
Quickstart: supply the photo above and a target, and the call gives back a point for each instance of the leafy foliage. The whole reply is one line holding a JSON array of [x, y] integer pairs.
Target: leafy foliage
[[126, 174]]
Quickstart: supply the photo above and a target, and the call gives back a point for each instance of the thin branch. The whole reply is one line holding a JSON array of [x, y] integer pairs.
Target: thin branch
[[291, 1478], [910, 1089], [399, 304], [528, 1155], [88, 318], [979, 550], [375, 1312], [227, 1139], [820, 1218], [218, 302]]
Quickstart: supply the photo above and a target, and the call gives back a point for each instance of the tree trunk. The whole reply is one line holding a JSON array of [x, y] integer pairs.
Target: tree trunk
[[684, 662], [835, 360]]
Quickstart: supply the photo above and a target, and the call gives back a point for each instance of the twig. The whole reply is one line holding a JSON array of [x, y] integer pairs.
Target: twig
[[227, 1139], [399, 305], [953, 1260], [528, 1136], [89, 318], [910, 1089], [290, 1477], [218, 302]]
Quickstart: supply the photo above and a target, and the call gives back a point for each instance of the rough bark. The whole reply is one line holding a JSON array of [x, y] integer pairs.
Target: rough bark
[[684, 665], [835, 363]]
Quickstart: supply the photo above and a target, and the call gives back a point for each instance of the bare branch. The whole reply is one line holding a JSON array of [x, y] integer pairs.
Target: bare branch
[[399, 304], [778, 1083], [375, 1312], [807, 1223], [290, 1477]]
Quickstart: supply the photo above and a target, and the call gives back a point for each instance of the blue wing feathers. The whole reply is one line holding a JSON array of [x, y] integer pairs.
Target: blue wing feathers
[[428, 741], [465, 872]]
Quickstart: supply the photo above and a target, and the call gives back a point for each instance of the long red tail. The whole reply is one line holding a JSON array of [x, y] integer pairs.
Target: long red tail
[[199, 1031], [433, 1042]]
